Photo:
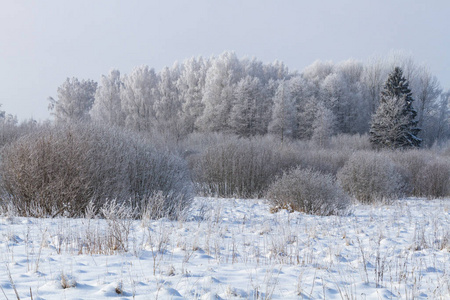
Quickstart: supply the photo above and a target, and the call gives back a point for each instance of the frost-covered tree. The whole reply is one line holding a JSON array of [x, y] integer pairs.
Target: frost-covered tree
[[168, 105], [218, 97], [354, 105], [245, 116], [372, 80], [306, 117], [2, 114], [138, 97], [323, 126], [333, 96], [75, 100], [278, 70], [107, 108], [283, 120], [306, 91], [426, 90], [405, 61], [394, 124], [342, 92], [440, 130], [305, 107], [314, 75], [255, 68], [191, 84]]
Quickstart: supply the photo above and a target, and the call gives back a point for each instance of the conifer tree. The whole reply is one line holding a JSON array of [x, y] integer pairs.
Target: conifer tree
[[393, 124]]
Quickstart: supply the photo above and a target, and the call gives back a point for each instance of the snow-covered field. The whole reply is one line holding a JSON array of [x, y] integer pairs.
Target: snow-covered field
[[233, 249]]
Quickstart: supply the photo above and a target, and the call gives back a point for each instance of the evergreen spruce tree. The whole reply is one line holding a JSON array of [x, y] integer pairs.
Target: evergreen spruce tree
[[393, 124]]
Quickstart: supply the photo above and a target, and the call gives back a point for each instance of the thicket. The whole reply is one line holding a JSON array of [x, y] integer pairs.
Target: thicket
[[370, 177], [11, 131], [426, 173], [53, 170], [308, 191], [59, 170], [229, 166]]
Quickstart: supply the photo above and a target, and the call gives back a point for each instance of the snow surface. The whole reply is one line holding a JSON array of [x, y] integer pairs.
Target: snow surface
[[235, 249]]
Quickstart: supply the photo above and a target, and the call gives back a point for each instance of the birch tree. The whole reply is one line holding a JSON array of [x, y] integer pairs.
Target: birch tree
[[138, 97], [283, 116], [75, 100], [107, 108]]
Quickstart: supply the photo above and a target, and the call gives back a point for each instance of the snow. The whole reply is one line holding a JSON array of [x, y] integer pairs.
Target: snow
[[235, 249]]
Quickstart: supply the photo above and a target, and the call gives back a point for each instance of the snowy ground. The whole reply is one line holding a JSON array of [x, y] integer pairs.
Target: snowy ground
[[233, 249]]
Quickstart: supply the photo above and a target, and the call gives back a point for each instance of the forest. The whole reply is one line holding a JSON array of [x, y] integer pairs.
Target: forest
[[248, 98]]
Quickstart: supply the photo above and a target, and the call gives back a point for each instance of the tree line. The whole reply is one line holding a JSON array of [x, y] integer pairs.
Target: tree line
[[247, 97]]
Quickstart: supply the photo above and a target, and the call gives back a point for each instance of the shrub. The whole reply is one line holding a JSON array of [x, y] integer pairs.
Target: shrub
[[10, 131], [324, 160], [348, 142], [434, 179], [308, 191], [426, 172], [410, 163], [59, 170], [232, 166], [370, 177]]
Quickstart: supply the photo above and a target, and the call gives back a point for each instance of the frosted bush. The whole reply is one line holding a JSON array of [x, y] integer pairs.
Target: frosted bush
[[308, 191], [59, 170], [348, 142], [231, 166], [410, 164], [370, 177], [324, 160], [427, 173], [434, 179], [10, 131]]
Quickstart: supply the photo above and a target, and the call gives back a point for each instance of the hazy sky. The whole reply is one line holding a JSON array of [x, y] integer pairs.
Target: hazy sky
[[44, 42]]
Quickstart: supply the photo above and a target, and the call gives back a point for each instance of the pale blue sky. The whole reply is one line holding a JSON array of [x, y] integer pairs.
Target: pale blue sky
[[43, 42]]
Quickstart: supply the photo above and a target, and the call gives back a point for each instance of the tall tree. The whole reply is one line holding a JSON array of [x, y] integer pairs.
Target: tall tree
[[107, 108], [426, 90], [245, 117], [323, 126], [138, 97], [342, 92], [441, 124], [314, 75], [394, 123], [191, 85], [283, 116], [75, 100], [374, 75], [218, 97], [168, 105], [2, 114]]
